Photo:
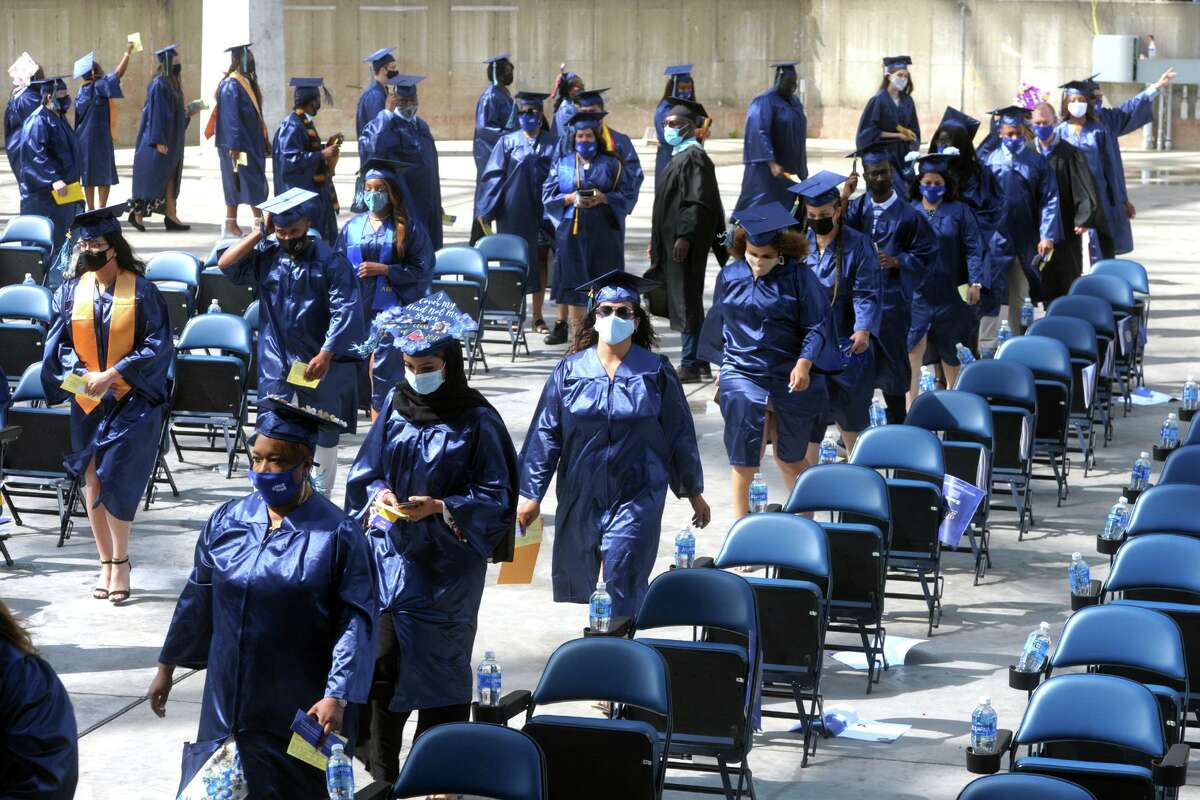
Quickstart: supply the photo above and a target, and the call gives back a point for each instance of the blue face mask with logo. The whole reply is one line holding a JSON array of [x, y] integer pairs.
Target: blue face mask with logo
[[1043, 132], [529, 122], [375, 200], [933, 192], [1014, 144], [277, 488], [586, 149], [672, 136]]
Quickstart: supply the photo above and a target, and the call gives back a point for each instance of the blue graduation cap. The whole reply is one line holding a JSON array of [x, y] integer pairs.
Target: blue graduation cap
[[94, 224], [379, 58], [163, 52], [591, 97], [1011, 115], [617, 286], [237, 48], [819, 189], [893, 63], [47, 86], [420, 328], [531, 98], [500, 57], [1082, 88], [678, 71], [937, 162], [288, 208], [784, 66], [84, 65], [953, 117], [586, 120], [877, 151], [288, 423], [406, 85], [763, 223], [307, 89]]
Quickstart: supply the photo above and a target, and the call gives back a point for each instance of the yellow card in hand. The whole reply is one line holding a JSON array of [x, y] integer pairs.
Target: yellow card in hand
[[136, 40], [525, 554], [75, 384], [296, 376], [241, 159], [74, 194]]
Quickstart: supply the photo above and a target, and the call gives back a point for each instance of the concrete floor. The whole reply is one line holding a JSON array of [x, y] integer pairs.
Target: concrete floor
[[106, 656]]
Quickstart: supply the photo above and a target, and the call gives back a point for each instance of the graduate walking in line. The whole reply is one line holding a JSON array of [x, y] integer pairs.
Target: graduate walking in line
[[158, 152], [495, 115], [96, 124], [891, 115], [23, 101], [681, 84], [302, 160], [774, 149], [1081, 129], [240, 134], [374, 97]]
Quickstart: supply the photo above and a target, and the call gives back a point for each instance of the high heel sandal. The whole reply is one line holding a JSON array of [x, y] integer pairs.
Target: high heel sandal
[[174, 225], [135, 222], [231, 231], [117, 596], [97, 592]]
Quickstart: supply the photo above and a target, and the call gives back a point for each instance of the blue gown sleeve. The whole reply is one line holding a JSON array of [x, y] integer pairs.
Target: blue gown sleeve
[[685, 474], [623, 196], [869, 128], [814, 310], [712, 332], [350, 670], [758, 147], [1048, 200], [554, 211], [921, 248], [158, 115], [345, 316], [914, 123], [484, 506], [147, 366], [229, 122], [492, 181], [109, 86], [368, 474], [292, 154], [868, 288], [972, 245], [660, 118], [189, 638], [248, 270], [417, 264], [59, 357], [1130, 115], [40, 164], [41, 758], [369, 137], [544, 441]]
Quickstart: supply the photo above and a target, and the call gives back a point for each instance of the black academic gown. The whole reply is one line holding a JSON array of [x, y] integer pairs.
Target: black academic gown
[[687, 205], [1078, 205]]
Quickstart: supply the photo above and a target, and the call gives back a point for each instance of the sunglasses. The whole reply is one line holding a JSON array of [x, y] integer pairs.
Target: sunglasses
[[622, 312]]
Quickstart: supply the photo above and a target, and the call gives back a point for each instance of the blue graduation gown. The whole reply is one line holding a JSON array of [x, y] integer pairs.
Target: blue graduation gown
[[408, 277], [430, 578], [164, 121], [631, 173], [92, 118], [40, 759], [960, 254], [306, 306], [882, 115], [388, 136], [370, 103], [510, 192], [1030, 199], [49, 151], [775, 131], [662, 156], [279, 619], [558, 122], [494, 117], [122, 435], [1092, 141], [901, 231], [297, 164], [19, 108], [1118, 121], [239, 128], [599, 244], [621, 443]]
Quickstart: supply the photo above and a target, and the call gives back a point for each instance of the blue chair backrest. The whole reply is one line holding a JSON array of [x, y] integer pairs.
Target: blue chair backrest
[[174, 266], [1094, 708], [26, 302], [1047, 358], [1078, 336], [606, 668], [1193, 435], [227, 332], [251, 316], [215, 254], [1183, 466], [1166, 509], [506, 248], [1007, 383], [30, 229], [964, 414], [1122, 635], [1156, 561], [466, 262], [701, 598], [1011, 785], [1117, 292], [778, 540], [29, 387], [1087, 308], [848, 488], [473, 759], [901, 447], [1132, 272]]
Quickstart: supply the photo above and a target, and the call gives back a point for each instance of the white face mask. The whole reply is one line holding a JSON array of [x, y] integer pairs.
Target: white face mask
[[1078, 109], [424, 382], [760, 266], [899, 82], [614, 330]]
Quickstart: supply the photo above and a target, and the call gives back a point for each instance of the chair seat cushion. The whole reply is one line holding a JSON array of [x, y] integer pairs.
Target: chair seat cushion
[[1063, 766]]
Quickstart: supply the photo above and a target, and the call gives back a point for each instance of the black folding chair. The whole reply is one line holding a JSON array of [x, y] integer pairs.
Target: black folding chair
[[25, 315], [507, 257]]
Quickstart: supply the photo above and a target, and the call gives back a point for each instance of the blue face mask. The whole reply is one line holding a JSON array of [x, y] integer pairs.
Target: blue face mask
[[1014, 144], [277, 488], [672, 136], [529, 122], [375, 200], [424, 382], [688, 95], [933, 192], [586, 149], [1043, 132], [1098, 104], [407, 113], [63, 103]]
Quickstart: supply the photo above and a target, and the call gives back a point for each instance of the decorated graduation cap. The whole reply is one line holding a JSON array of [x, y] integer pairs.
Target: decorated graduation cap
[[682, 107], [96, 223], [84, 65], [288, 208], [305, 90], [763, 223], [531, 98], [617, 286], [591, 97], [406, 85], [937, 162], [874, 153], [893, 63], [379, 59], [952, 117], [586, 120], [1011, 115], [420, 328], [819, 189]]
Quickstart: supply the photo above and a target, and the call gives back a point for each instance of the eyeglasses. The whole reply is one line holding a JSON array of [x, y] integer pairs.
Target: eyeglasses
[[622, 312]]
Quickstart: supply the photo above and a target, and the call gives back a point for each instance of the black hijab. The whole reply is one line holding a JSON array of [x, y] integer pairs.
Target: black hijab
[[452, 399]]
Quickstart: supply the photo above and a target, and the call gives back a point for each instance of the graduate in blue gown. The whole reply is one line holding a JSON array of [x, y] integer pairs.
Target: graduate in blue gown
[[765, 330], [158, 152], [23, 101], [398, 134], [40, 760], [374, 97], [303, 160], [907, 248], [509, 192], [891, 115], [614, 423], [567, 87], [50, 162], [1081, 128], [110, 326], [680, 83], [442, 450], [95, 122], [939, 313], [280, 611], [617, 143], [311, 319], [774, 149], [241, 136], [495, 115]]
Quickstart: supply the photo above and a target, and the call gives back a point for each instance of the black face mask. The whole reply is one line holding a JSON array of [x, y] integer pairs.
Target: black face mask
[[821, 226], [176, 69], [93, 260], [296, 247], [879, 185], [63, 104], [391, 73]]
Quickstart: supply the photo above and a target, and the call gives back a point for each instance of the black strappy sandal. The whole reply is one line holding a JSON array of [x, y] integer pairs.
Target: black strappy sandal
[[97, 592], [540, 326], [121, 595]]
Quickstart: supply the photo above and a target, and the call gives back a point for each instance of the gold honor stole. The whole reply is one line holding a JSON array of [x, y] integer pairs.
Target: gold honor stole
[[120, 329]]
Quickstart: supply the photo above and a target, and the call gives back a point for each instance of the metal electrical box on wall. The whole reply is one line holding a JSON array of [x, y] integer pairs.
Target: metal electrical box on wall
[[1114, 57]]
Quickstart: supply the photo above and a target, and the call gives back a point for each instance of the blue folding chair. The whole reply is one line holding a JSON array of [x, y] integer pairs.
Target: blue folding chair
[[509, 263], [595, 758], [1182, 466], [1099, 314], [1166, 509], [219, 247], [1193, 435], [461, 272], [25, 248], [793, 608], [859, 537], [1138, 279], [910, 459], [1011, 786], [177, 276], [1050, 362], [251, 317], [29, 229], [714, 685], [474, 759], [216, 286], [1118, 293], [24, 321], [1079, 338], [964, 422]]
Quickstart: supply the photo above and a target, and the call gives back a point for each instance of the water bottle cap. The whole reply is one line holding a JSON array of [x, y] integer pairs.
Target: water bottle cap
[[600, 585], [1190, 379], [1076, 556], [1123, 501], [758, 476], [984, 700], [1044, 627], [1144, 454], [1171, 416], [336, 748], [489, 654]]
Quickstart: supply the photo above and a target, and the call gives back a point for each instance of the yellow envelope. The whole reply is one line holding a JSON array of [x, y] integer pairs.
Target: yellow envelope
[[74, 194], [299, 748], [449, 219], [76, 384], [525, 554], [136, 38], [963, 290], [296, 376]]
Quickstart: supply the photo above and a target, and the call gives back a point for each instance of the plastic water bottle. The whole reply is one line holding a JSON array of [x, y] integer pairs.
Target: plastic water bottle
[[1169, 437], [1139, 478], [600, 609], [214, 307], [487, 679], [29, 281], [828, 452], [758, 494], [965, 356], [878, 414], [1026, 314], [987, 353], [1037, 647], [339, 774], [1191, 393], [984, 727], [928, 379], [1114, 528], [1004, 334], [685, 549], [1080, 576]]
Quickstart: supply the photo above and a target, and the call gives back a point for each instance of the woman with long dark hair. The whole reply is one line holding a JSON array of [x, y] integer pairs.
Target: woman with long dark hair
[[567, 87], [614, 424], [243, 142], [891, 115], [158, 153], [109, 351]]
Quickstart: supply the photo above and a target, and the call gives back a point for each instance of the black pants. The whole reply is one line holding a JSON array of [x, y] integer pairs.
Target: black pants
[[895, 408]]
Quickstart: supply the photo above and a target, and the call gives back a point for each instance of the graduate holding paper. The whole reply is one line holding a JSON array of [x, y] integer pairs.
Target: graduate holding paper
[[111, 338], [158, 153], [280, 611], [890, 115], [241, 137], [302, 159], [96, 123], [24, 100], [775, 142], [440, 458]]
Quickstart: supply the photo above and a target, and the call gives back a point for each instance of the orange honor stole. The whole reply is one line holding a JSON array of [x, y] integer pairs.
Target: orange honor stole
[[120, 329]]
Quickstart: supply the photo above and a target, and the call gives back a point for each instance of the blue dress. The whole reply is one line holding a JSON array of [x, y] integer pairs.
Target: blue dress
[[40, 760], [431, 577], [164, 121], [240, 128], [372, 101], [19, 107], [510, 192], [1030, 200], [279, 619], [881, 115], [776, 130], [49, 152], [1118, 121], [1092, 141], [306, 306], [937, 307], [92, 126], [411, 143], [122, 435], [596, 245], [298, 164], [621, 443]]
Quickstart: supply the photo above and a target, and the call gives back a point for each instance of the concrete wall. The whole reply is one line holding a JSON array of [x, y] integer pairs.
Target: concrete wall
[[625, 45]]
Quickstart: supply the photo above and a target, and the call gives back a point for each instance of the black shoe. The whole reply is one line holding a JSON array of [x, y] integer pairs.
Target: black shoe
[[558, 335], [134, 222], [172, 225], [706, 370], [689, 375]]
